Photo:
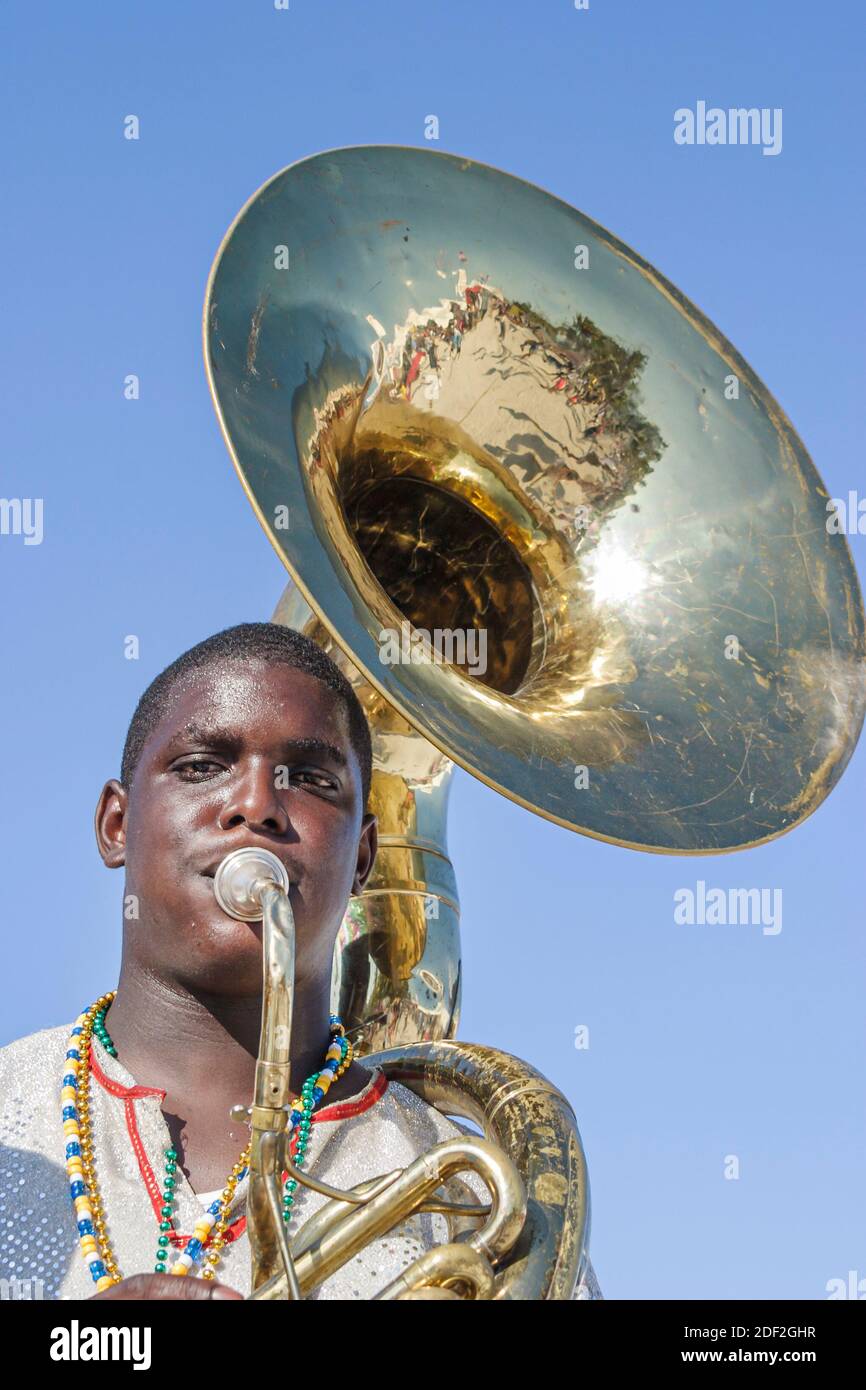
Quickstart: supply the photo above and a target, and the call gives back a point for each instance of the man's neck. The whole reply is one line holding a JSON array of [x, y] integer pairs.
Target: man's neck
[[194, 1045]]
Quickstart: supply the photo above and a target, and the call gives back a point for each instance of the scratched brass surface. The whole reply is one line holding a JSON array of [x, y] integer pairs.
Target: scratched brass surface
[[568, 477], [530, 1119]]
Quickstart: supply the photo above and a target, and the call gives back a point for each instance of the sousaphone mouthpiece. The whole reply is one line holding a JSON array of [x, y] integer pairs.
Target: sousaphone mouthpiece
[[240, 878]]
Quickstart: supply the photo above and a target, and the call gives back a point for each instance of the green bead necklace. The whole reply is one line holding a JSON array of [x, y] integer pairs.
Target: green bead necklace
[[210, 1229]]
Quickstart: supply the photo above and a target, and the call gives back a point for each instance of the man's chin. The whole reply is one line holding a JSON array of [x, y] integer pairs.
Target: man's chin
[[210, 942], [225, 956], [228, 935]]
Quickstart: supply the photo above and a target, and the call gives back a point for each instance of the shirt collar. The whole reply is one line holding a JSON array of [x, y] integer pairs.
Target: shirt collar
[[114, 1078]]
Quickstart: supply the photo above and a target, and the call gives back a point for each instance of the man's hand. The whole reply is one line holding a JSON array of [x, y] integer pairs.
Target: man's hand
[[172, 1286]]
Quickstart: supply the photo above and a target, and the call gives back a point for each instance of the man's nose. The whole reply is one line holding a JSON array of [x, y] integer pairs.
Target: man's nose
[[254, 801]]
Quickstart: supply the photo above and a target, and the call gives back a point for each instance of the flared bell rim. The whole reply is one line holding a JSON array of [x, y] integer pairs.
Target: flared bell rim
[[406, 701]]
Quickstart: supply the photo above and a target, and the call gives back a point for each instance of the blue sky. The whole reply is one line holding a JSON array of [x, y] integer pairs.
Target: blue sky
[[704, 1042]]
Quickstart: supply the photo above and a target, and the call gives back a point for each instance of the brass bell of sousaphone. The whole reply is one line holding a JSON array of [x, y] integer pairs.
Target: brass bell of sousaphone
[[551, 525]]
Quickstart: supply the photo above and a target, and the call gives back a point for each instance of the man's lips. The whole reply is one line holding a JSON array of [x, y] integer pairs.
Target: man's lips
[[210, 870]]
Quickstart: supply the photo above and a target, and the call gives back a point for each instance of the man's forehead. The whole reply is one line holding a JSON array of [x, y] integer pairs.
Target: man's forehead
[[240, 699]]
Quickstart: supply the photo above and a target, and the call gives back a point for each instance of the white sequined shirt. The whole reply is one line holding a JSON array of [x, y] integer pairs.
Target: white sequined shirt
[[385, 1126]]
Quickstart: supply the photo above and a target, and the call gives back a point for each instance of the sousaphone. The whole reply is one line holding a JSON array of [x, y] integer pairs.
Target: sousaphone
[[556, 531]]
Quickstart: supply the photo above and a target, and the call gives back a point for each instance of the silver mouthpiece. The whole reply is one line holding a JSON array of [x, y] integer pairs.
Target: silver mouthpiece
[[240, 878]]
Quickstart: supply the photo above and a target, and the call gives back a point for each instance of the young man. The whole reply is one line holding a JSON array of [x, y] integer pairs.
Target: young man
[[252, 738]]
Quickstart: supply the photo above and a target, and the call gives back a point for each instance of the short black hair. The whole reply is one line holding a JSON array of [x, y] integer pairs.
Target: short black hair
[[269, 642]]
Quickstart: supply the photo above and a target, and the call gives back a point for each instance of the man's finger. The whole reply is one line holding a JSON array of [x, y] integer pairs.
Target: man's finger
[[171, 1287]]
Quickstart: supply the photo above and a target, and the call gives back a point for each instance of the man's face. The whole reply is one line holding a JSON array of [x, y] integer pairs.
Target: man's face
[[248, 753]]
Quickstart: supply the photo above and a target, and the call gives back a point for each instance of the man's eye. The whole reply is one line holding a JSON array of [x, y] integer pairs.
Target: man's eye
[[314, 779], [197, 769]]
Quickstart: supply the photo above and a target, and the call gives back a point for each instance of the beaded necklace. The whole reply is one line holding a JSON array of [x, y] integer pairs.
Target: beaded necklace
[[209, 1231]]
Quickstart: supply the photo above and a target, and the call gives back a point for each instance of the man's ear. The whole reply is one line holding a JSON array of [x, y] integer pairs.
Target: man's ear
[[367, 847], [110, 824]]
